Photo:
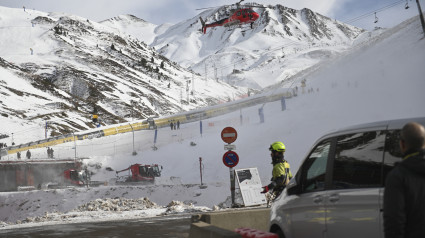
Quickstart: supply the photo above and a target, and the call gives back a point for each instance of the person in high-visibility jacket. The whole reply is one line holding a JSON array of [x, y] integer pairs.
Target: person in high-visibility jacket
[[281, 170], [94, 118]]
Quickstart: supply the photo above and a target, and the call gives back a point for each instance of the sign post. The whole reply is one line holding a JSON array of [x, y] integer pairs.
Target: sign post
[[200, 127], [200, 168], [230, 158]]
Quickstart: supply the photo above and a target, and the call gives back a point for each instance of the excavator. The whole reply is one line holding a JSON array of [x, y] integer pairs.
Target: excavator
[[139, 174]]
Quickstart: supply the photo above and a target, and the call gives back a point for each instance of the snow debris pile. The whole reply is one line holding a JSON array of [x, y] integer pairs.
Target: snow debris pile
[[112, 209], [180, 207], [117, 204]]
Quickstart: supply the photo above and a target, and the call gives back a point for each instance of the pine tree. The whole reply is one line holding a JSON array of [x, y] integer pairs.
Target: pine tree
[[143, 62]]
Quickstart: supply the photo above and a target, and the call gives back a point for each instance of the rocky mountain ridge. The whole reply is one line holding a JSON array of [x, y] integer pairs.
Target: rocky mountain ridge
[[76, 67], [125, 68]]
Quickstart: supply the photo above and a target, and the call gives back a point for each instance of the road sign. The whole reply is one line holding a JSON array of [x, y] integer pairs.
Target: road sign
[[250, 186], [229, 147], [230, 159], [229, 135]]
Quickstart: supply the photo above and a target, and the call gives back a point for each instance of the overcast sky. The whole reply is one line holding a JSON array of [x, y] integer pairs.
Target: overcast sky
[[174, 11]]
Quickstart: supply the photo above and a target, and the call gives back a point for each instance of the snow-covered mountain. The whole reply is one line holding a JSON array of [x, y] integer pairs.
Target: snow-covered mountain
[[282, 42], [60, 68], [381, 79]]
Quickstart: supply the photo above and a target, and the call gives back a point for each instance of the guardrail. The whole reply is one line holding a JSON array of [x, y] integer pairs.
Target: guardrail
[[186, 117]]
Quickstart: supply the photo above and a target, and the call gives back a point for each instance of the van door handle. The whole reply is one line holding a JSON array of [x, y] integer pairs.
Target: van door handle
[[318, 199], [334, 198]]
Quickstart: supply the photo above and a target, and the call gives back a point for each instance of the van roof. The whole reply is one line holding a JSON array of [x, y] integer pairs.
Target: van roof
[[377, 125]]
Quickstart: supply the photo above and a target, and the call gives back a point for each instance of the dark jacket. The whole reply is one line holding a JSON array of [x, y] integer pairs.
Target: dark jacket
[[404, 198]]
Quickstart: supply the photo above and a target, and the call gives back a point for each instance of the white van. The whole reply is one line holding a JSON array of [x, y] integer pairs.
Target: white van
[[338, 189]]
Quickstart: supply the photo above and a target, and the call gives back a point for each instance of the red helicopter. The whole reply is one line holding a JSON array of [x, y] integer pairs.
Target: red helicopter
[[238, 17]]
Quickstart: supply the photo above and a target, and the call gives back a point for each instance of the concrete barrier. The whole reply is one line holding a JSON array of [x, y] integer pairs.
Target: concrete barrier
[[201, 229], [223, 224]]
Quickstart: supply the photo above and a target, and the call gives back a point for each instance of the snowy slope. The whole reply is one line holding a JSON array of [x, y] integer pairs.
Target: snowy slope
[[133, 26], [283, 42], [381, 79], [69, 66]]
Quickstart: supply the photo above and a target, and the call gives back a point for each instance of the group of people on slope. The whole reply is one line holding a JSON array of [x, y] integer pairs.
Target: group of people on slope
[[175, 126]]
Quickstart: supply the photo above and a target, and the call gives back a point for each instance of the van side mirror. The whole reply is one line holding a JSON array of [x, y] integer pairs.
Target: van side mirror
[[293, 188]]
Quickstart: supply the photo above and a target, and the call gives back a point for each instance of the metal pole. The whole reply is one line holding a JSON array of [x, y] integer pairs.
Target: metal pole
[[200, 168], [154, 140], [134, 152], [75, 148], [232, 184], [240, 116], [200, 126], [421, 16]]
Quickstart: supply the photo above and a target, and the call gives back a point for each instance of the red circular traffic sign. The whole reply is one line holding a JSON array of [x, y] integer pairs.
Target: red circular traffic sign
[[229, 135], [230, 159]]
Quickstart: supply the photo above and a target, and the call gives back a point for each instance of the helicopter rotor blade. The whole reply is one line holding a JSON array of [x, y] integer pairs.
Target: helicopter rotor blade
[[212, 7], [205, 8], [253, 6], [238, 4]]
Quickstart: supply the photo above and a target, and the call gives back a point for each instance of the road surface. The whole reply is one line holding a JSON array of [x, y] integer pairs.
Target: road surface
[[168, 226]]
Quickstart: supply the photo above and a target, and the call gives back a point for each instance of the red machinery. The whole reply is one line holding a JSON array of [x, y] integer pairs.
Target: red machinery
[[139, 173], [74, 177]]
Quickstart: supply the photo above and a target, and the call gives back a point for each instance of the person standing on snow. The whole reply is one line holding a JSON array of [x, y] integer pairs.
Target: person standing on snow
[[281, 170], [28, 154], [404, 195]]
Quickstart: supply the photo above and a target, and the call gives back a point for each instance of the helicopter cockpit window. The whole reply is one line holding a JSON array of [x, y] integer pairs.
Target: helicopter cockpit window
[[239, 13]]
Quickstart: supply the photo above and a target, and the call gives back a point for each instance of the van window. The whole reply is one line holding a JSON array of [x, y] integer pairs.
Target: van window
[[392, 153], [314, 168], [358, 160]]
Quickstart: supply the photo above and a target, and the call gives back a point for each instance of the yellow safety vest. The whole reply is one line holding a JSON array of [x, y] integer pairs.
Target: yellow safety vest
[[280, 169]]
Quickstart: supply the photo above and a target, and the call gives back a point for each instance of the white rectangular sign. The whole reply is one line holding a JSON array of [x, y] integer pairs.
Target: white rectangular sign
[[229, 147], [250, 185], [229, 134]]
